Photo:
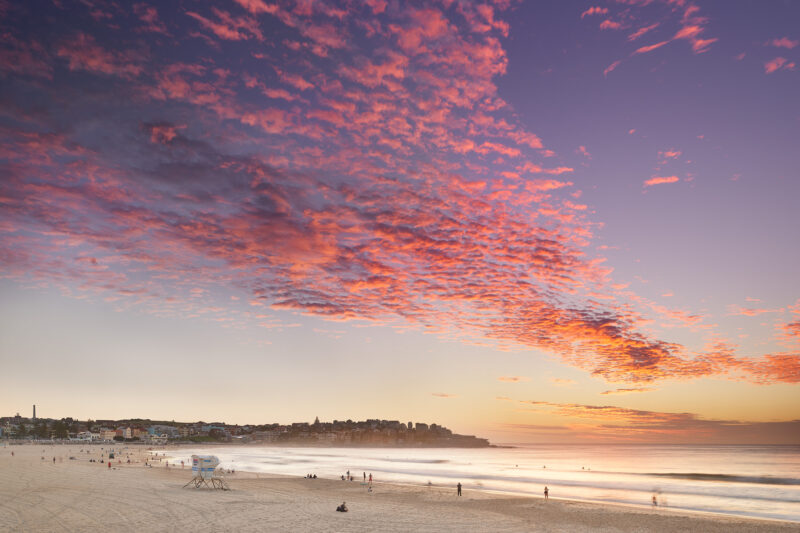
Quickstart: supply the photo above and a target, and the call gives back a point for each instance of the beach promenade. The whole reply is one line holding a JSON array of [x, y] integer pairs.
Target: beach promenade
[[39, 495]]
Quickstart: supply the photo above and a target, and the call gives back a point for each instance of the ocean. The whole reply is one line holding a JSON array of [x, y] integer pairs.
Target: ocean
[[754, 481]]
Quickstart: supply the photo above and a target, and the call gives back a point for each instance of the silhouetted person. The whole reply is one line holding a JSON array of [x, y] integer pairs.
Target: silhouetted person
[[546, 493], [459, 488]]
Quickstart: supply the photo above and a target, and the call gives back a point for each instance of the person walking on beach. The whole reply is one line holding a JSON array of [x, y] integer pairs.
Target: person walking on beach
[[546, 493], [458, 487], [365, 476], [370, 478], [655, 501]]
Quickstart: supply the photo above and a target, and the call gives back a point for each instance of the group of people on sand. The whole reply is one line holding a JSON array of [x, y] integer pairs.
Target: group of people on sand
[[309, 476], [348, 477]]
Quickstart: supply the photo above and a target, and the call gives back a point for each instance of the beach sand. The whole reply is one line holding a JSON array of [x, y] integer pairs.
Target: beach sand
[[77, 495]]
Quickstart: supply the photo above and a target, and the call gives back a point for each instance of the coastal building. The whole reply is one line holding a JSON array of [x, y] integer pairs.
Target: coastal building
[[159, 429], [157, 439]]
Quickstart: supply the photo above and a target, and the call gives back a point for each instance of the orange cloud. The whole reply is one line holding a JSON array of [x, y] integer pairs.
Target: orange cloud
[[641, 31], [628, 390], [743, 311], [650, 48], [383, 195], [659, 180], [669, 154], [513, 379]]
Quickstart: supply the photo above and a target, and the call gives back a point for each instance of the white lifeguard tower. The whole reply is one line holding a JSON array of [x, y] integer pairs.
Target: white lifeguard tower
[[204, 472]]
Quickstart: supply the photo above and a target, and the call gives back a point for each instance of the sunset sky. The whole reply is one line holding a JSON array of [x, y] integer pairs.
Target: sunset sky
[[538, 221]]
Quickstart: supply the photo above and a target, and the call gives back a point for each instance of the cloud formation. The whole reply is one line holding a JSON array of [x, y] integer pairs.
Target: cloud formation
[[513, 379], [660, 180], [351, 162], [779, 63], [612, 423]]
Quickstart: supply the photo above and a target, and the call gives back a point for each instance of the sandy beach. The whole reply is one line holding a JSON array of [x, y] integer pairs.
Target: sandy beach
[[78, 495]]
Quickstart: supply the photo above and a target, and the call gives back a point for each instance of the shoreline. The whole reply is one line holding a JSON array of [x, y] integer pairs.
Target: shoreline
[[78, 495], [510, 494]]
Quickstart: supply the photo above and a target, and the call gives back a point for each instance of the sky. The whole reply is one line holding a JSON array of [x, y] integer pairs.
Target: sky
[[531, 221]]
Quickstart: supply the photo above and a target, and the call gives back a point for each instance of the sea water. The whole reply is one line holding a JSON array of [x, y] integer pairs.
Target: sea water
[[755, 481]]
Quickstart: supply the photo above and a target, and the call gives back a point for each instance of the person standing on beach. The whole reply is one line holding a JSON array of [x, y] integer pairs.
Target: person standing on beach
[[370, 478], [458, 487], [365, 476], [546, 493]]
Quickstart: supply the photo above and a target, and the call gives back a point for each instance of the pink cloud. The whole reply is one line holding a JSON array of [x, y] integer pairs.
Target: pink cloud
[[658, 180], [688, 32], [546, 185], [595, 10], [83, 53], [691, 33], [611, 67], [784, 42], [149, 15], [377, 6], [25, 58], [700, 46], [743, 311], [373, 197], [641, 31], [610, 25], [779, 63], [229, 27], [163, 133], [258, 6], [650, 48]]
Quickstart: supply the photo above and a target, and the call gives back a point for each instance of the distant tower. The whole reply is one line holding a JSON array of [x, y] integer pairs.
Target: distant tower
[[316, 421], [34, 411]]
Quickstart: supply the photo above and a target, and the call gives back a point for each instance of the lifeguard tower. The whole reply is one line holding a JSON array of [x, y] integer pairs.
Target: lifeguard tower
[[204, 472]]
